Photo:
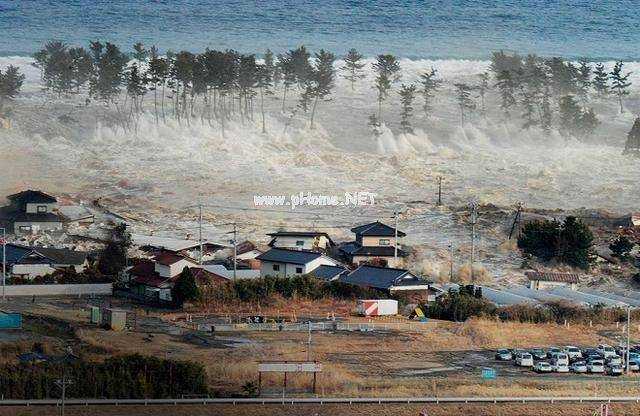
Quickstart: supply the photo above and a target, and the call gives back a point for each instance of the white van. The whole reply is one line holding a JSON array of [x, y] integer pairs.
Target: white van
[[606, 350], [524, 359], [560, 358]]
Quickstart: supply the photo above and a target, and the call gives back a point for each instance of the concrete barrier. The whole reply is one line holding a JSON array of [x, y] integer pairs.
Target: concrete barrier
[[58, 290]]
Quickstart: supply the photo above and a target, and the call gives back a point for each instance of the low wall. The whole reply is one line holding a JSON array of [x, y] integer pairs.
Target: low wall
[[58, 290]]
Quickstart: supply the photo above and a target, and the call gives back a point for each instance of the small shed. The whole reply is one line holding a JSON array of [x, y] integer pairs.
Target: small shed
[[550, 280]]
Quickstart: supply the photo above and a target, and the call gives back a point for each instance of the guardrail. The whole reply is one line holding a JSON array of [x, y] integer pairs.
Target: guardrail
[[323, 400]]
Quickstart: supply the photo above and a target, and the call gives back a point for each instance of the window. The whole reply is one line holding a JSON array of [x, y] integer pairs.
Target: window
[[276, 267], [298, 269], [300, 243], [384, 242], [42, 208]]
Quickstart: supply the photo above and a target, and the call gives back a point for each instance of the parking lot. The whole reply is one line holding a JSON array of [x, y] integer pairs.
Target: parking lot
[[600, 360]]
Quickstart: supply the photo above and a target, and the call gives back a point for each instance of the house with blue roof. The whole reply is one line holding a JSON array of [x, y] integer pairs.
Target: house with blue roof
[[282, 262]]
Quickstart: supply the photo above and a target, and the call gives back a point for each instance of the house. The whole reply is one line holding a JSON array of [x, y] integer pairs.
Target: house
[[390, 280], [549, 280], [154, 245], [154, 278], [31, 212], [285, 263], [329, 273], [301, 240], [30, 262], [375, 243], [635, 219], [227, 273]]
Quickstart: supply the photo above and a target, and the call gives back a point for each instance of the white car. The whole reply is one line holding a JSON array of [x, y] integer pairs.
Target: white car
[[614, 360], [574, 353], [543, 367], [578, 367], [560, 368], [633, 366], [606, 350], [595, 366], [560, 358], [524, 359]]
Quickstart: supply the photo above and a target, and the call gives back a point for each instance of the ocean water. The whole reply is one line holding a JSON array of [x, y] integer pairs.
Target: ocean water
[[600, 29]]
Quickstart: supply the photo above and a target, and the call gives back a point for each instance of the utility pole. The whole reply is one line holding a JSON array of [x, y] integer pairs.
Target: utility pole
[[200, 232], [451, 262], [235, 250], [628, 338], [473, 220], [516, 219], [439, 179], [309, 344], [395, 242], [4, 263], [62, 384]]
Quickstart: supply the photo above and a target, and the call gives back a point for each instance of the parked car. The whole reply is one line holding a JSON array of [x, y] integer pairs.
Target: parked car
[[634, 365], [538, 354], [574, 353], [542, 367], [595, 366], [504, 355], [578, 367], [560, 358], [613, 360], [606, 350], [524, 359], [553, 350], [591, 352], [559, 367], [614, 370]]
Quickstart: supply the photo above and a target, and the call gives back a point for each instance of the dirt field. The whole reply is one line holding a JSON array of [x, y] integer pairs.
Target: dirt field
[[444, 358], [332, 410]]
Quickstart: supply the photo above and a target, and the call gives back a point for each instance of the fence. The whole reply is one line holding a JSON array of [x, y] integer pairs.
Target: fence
[[318, 326], [58, 290]]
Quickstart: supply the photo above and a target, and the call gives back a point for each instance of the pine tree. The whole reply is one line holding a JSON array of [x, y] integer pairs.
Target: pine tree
[[136, 87], [632, 145], [506, 86], [600, 80], [322, 77], [353, 66], [286, 70], [528, 102], [140, 53], [264, 85], [407, 95], [430, 84], [465, 102], [483, 87], [584, 80], [10, 84], [158, 72], [546, 115], [620, 83], [387, 69], [108, 77], [375, 125]]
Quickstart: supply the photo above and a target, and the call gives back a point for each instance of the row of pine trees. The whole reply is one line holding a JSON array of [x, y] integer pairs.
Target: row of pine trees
[[218, 86]]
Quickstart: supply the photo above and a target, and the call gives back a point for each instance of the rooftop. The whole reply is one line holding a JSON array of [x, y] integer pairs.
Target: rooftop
[[281, 255], [552, 277], [32, 197], [168, 258], [326, 272], [377, 229], [381, 277]]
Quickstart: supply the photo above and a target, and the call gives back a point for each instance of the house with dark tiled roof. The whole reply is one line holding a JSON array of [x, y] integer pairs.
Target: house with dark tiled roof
[[329, 273], [390, 280], [301, 240], [375, 243], [31, 212], [30, 262], [285, 263]]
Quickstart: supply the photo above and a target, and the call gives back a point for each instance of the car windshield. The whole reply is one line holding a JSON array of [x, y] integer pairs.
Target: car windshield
[[573, 350]]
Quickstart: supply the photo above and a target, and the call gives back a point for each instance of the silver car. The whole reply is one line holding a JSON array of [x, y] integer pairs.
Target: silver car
[[578, 367], [614, 370], [595, 366]]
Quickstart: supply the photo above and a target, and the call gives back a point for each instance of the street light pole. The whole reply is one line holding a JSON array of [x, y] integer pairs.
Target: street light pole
[[628, 337], [4, 263]]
